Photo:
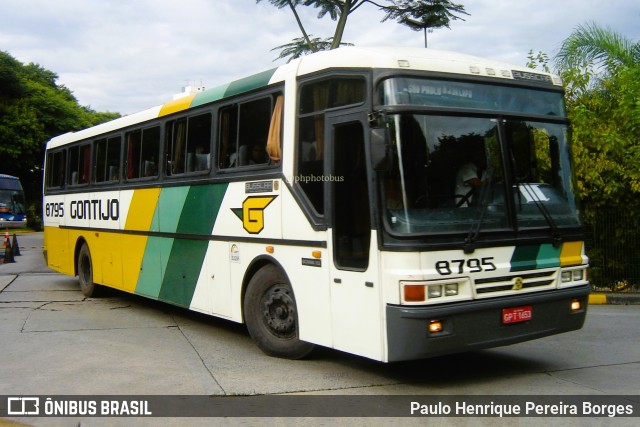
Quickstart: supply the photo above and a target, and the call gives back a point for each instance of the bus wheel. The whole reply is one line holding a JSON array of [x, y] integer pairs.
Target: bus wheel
[[85, 272], [271, 315]]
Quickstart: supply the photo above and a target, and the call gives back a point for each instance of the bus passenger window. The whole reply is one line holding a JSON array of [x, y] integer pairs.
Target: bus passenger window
[[149, 152], [55, 169], [107, 159], [244, 131], [310, 159], [199, 143], [142, 153], [227, 140], [189, 144], [79, 164]]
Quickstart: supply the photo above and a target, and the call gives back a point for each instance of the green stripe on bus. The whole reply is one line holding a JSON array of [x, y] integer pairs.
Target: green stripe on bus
[[210, 95], [201, 207], [153, 267], [548, 256], [250, 83], [535, 256], [169, 209], [158, 250], [524, 258], [183, 270], [156, 254], [199, 213]]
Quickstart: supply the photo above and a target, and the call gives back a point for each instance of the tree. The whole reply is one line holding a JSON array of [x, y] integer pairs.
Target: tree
[[593, 45], [34, 109], [601, 71], [541, 59], [415, 14]]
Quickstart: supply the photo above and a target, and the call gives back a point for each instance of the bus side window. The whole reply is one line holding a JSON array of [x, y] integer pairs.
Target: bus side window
[[255, 117], [228, 136], [142, 152], [315, 98], [188, 144], [199, 143], [56, 163], [133, 147], [79, 164], [107, 159], [310, 159], [244, 132], [176, 140], [150, 152]]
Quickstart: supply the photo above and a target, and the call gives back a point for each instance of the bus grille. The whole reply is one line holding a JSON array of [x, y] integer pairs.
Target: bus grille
[[537, 281]]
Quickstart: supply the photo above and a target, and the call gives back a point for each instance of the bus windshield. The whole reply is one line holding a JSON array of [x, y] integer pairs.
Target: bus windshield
[[12, 207], [451, 173]]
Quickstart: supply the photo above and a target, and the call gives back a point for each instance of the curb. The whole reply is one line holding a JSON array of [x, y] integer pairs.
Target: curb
[[614, 298]]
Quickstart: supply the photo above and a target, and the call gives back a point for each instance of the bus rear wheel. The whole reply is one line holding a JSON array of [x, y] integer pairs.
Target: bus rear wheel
[[271, 315], [85, 272]]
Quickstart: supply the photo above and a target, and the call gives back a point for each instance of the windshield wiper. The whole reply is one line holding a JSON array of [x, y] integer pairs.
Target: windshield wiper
[[474, 232], [555, 233]]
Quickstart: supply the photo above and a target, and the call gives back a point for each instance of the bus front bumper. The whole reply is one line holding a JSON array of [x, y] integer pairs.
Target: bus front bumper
[[478, 324], [12, 224]]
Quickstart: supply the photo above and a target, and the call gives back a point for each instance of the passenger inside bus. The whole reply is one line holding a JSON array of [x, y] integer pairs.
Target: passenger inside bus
[[470, 175]]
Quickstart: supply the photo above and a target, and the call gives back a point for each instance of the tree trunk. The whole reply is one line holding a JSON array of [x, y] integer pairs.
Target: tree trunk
[[342, 22], [304, 33]]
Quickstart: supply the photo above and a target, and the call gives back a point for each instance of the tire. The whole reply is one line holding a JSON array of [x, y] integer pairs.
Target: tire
[[271, 315], [85, 272]]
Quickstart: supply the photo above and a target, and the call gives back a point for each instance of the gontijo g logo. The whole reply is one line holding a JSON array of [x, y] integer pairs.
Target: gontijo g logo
[[252, 212]]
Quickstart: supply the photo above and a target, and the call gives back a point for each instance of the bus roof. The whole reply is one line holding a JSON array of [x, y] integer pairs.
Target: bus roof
[[346, 57], [9, 182], [3, 176]]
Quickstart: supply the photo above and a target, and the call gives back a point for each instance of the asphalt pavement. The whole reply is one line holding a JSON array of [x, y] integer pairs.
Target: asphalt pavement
[[57, 342]]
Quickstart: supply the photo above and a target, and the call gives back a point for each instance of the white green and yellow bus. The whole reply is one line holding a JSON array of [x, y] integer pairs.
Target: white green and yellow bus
[[392, 203]]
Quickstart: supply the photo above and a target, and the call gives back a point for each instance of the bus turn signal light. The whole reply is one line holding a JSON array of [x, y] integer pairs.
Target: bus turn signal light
[[414, 293]]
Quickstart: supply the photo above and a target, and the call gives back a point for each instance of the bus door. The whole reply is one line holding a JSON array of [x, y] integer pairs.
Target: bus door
[[355, 289]]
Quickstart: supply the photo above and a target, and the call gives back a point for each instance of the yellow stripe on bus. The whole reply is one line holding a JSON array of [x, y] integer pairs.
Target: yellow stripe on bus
[[142, 208], [571, 254], [176, 105]]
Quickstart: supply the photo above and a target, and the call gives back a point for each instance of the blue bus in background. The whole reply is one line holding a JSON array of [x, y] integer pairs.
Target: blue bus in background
[[12, 206]]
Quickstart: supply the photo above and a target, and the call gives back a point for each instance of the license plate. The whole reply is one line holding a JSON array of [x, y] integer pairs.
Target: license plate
[[516, 314]]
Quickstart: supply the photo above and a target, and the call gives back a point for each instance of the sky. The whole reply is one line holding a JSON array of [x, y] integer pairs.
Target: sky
[[127, 56]]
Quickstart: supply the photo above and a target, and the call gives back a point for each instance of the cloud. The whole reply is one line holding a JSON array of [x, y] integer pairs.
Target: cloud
[[128, 56]]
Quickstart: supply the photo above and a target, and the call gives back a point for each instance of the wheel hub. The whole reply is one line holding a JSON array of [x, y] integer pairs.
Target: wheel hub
[[279, 311]]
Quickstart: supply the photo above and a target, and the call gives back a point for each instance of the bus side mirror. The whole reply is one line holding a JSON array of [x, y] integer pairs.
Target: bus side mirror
[[380, 149]]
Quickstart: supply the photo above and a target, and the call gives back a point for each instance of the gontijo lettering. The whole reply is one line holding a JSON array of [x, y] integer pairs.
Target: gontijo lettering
[[106, 210]]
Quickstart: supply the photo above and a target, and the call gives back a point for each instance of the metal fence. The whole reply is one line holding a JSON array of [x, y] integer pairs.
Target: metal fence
[[613, 247]]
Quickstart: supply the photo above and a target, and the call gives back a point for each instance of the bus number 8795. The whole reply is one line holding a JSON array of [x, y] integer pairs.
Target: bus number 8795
[[459, 266]]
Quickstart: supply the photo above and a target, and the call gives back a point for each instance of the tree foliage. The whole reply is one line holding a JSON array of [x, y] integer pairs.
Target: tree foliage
[[414, 14], [300, 46], [33, 109], [594, 45], [601, 72]]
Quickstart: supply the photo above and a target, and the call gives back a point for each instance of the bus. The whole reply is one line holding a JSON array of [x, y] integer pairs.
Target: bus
[[12, 211], [327, 202]]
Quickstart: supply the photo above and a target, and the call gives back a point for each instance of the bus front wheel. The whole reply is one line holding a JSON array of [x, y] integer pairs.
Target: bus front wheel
[[85, 272], [271, 315]]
